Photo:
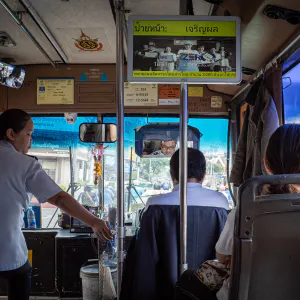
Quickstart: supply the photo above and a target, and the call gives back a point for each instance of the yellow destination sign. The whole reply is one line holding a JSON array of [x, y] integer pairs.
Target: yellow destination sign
[[184, 28]]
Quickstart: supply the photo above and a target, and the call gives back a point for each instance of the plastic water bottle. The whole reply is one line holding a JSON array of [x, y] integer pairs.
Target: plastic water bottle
[[31, 218]]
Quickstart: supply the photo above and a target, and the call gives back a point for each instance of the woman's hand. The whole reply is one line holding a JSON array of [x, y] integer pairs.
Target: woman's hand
[[69, 205], [102, 230]]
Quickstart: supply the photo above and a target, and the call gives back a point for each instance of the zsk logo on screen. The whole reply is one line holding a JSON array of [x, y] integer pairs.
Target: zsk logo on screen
[[85, 43]]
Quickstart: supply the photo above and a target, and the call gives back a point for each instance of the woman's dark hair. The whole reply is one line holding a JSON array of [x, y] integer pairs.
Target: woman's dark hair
[[15, 119], [196, 164], [283, 155]]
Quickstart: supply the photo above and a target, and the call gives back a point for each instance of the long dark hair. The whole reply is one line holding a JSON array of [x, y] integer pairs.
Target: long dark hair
[[283, 155], [16, 119]]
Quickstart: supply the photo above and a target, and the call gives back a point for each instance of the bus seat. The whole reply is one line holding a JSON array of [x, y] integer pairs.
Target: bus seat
[[151, 267], [265, 262]]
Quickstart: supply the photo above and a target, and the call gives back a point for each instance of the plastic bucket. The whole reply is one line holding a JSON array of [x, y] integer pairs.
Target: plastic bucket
[[90, 281]]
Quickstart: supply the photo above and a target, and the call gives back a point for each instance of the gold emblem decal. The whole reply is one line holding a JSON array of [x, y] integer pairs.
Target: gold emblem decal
[[85, 43]]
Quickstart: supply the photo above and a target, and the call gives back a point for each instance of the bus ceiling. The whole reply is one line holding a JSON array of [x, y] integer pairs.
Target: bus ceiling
[[34, 32]]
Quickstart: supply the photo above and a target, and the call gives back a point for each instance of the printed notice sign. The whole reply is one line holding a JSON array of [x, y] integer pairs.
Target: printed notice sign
[[191, 49], [169, 101], [169, 94], [55, 91], [216, 102], [140, 94]]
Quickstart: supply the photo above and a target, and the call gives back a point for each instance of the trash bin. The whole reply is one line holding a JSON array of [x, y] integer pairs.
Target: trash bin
[[89, 275]]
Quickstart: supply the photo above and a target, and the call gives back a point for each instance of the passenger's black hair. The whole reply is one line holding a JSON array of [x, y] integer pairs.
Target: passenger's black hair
[[283, 155], [196, 164], [16, 119]]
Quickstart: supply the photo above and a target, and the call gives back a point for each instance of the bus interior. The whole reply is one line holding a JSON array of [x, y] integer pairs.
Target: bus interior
[[77, 41]]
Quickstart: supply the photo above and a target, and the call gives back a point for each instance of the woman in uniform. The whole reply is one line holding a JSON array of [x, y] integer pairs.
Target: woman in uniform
[[20, 175]]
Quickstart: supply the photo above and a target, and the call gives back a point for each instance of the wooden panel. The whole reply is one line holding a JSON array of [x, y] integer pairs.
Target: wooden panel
[[96, 93], [3, 98], [95, 96], [94, 88]]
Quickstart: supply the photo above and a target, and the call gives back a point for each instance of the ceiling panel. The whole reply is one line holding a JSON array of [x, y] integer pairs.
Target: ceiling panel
[[25, 51], [263, 37], [202, 8], [68, 20], [153, 7]]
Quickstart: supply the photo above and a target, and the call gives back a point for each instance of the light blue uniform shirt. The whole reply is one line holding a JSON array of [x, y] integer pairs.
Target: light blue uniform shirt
[[19, 175], [196, 196]]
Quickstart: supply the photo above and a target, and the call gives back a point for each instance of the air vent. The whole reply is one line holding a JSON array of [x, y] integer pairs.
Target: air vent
[[280, 13], [6, 40]]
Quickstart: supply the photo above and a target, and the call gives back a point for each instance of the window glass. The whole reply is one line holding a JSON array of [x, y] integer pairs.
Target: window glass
[[150, 176], [291, 95], [53, 138]]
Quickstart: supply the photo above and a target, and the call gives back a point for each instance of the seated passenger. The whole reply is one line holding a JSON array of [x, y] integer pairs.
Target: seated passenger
[[282, 157], [196, 194], [152, 263]]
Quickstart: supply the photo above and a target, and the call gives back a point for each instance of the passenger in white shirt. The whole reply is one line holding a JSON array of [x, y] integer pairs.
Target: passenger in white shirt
[[282, 157], [196, 194]]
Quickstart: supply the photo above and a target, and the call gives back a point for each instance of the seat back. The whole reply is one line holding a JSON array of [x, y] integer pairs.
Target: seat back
[[265, 262], [204, 226], [151, 267]]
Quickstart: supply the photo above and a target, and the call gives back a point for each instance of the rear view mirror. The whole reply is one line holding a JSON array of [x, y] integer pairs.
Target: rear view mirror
[[162, 139], [11, 76], [98, 133]]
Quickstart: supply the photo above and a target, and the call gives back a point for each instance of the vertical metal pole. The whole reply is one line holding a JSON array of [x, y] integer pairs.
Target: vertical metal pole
[[234, 148], [120, 143], [183, 176], [130, 180], [71, 171], [183, 10], [101, 186]]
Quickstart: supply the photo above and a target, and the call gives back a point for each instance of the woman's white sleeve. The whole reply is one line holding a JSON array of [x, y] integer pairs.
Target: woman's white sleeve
[[225, 242]]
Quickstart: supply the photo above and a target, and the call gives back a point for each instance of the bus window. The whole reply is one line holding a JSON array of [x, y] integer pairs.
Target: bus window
[[52, 138], [291, 95], [150, 176]]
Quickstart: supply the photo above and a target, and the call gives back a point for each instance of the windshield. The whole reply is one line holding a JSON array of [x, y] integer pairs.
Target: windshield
[[57, 146], [151, 176]]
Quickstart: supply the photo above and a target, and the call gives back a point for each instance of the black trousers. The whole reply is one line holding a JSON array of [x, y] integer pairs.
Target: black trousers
[[19, 282], [189, 287]]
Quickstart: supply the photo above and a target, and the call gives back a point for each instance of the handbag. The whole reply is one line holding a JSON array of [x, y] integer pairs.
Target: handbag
[[212, 274]]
